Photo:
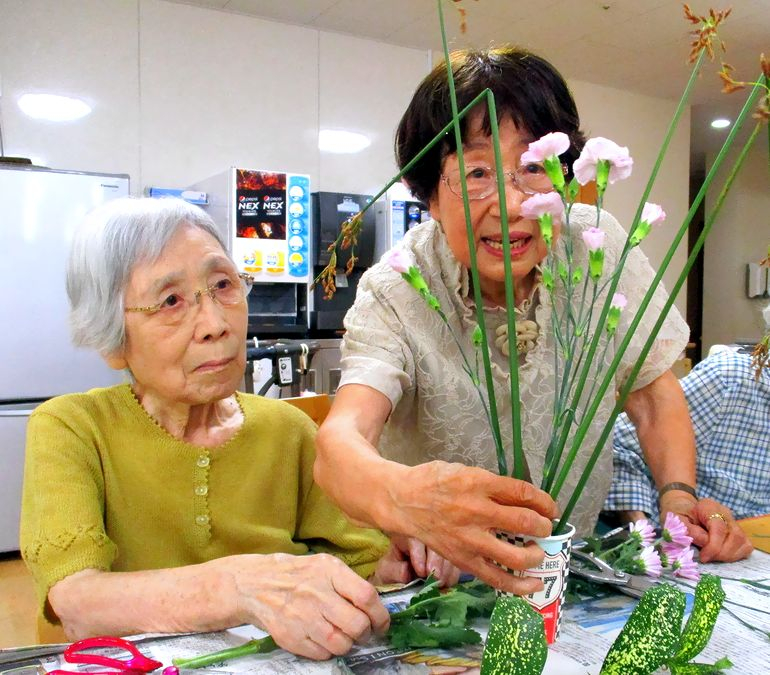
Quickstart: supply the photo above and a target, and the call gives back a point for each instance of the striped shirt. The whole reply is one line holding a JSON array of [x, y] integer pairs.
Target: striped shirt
[[730, 413]]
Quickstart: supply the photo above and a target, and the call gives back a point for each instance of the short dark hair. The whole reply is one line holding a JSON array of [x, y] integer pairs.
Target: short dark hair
[[526, 88]]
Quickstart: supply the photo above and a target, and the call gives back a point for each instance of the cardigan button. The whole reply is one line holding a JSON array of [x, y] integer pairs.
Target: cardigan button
[[203, 461], [202, 519], [201, 490]]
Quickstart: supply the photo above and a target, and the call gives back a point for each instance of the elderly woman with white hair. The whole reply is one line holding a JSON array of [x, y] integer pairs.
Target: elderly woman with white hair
[[175, 503]]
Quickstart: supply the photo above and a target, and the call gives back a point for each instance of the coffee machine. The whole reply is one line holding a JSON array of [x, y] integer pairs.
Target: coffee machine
[[264, 217], [330, 211]]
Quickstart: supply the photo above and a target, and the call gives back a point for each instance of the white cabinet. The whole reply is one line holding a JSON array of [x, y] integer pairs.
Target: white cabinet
[[13, 428]]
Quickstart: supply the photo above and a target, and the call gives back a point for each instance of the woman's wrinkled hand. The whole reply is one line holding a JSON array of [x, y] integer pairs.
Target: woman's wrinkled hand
[[312, 605], [456, 510], [711, 525], [409, 558]]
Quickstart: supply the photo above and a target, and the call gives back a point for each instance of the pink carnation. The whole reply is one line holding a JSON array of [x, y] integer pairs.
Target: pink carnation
[[594, 238], [684, 566], [653, 214], [540, 204], [549, 145], [399, 260], [619, 300], [602, 148]]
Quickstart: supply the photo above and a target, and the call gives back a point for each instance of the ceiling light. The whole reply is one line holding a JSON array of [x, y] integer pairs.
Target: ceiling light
[[340, 141], [53, 108], [720, 123]]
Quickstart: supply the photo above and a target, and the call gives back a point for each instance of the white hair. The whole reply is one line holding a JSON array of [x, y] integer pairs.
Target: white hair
[[112, 239], [766, 316]]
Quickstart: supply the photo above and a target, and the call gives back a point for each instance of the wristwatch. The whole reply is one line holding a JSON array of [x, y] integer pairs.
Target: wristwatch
[[684, 487]]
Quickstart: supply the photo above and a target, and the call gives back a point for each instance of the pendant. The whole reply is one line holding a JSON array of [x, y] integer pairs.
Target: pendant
[[527, 332]]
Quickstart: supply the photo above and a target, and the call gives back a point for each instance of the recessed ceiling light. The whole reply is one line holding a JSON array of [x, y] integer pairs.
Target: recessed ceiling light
[[720, 123], [340, 141], [53, 107]]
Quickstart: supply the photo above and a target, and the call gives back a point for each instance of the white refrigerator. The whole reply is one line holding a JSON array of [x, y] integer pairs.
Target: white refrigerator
[[39, 210]]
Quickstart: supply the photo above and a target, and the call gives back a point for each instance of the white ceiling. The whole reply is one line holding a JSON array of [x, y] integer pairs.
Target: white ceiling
[[638, 45]]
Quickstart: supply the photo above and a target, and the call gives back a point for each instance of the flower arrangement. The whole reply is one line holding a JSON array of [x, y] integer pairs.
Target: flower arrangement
[[581, 330]]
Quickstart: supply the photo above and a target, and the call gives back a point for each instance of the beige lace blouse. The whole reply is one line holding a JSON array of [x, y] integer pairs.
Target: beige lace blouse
[[399, 346]]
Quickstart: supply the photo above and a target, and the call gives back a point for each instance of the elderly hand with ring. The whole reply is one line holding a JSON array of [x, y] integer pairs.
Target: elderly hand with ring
[[711, 526]]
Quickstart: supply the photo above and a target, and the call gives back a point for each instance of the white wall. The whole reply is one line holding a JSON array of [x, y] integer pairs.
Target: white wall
[[741, 234], [180, 93]]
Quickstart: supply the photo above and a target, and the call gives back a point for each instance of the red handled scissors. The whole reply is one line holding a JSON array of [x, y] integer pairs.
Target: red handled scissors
[[136, 664]]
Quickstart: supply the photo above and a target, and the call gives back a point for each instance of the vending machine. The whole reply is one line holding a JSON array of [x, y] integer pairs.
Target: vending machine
[[396, 214], [264, 216]]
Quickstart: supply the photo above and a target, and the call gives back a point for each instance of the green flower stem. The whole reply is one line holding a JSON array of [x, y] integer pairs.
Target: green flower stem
[[510, 300], [502, 464], [264, 645], [583, 428], [634, 223]]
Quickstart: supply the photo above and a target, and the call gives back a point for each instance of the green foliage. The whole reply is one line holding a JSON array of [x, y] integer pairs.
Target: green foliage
[[516, 641], [413, 634], [701, 668], [697, 632], [651, 635], [435, 619]]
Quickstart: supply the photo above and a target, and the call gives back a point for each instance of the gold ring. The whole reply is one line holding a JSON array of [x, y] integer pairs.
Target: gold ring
[[718, 515]]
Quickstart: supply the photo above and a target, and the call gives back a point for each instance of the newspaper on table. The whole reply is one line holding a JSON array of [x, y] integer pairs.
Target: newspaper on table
[[587, 631]]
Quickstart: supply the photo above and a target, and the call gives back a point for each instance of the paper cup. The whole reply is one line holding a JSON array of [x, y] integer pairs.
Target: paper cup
[[552, 571]]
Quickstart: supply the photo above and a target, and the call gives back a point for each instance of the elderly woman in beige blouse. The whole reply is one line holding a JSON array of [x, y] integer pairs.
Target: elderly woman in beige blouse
[[406, 446]]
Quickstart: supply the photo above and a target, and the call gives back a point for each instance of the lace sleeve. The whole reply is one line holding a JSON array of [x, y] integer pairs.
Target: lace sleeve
[[634, 282], [375, 351]]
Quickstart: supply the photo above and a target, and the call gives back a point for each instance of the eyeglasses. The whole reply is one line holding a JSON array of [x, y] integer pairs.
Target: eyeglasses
[[529, 178], [176, 307]]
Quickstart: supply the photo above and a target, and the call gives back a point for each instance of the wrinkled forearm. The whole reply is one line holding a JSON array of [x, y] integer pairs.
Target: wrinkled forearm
[[660, 414], [363, 484], [348, 466], [184, 599]]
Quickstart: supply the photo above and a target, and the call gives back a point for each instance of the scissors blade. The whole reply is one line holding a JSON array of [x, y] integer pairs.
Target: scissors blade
[[589, 567]]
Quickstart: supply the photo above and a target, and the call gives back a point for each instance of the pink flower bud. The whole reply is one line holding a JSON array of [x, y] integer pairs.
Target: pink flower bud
[[540, 204], [594, 238], [549, 145], [619, 300], [602, 148], [399, 260], [653, 214]]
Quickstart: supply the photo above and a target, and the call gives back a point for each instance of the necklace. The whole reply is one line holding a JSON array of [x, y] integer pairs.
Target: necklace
[[527, 332]]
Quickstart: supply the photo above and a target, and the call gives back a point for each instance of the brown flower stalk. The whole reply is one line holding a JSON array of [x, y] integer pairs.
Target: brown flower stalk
[[463, 15], [730, 84], [346, 239], [350, 231], [328, 277], [760, 357], [706, 34]]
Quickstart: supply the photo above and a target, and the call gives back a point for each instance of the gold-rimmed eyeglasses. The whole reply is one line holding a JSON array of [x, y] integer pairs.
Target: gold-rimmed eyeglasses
[[529, 178], [230, 289]]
